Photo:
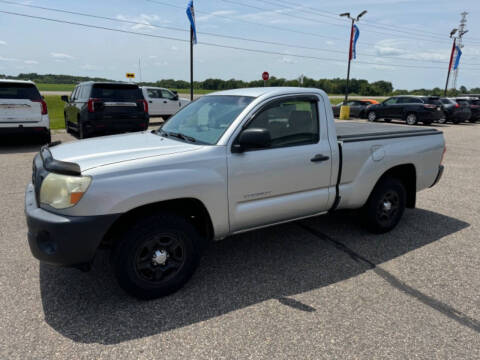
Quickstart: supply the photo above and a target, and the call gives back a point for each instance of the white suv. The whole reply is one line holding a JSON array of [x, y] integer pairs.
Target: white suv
[[23, 110], [162, 102]]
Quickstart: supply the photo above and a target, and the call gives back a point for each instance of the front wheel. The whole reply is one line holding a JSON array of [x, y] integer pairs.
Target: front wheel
[[157, 256], [411, 119], [442, 120], [385, 206], [372, 116]]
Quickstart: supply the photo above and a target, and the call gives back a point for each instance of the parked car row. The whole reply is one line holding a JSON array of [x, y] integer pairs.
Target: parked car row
[[107, 107], [416, 109]]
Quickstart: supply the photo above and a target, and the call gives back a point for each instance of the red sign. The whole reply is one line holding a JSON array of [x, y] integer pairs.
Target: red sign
[[265, 76]]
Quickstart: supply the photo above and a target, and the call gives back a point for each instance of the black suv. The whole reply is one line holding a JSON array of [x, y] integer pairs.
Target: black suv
[[411, 109], [454, 111], [102, 107]]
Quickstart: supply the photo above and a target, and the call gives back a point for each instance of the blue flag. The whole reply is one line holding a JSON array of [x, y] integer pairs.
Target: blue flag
[[457, 59], [191, 17], [356, 35]]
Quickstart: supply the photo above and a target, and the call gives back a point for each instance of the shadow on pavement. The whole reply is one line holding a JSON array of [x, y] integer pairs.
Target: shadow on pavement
[[235, 273], [18, 144]]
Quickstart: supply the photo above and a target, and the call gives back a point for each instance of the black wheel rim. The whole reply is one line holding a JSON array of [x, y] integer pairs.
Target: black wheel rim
[[160, 257], [387, 208]]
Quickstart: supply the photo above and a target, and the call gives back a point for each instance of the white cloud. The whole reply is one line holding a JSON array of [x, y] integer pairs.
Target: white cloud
[[3, 42], [31, 62], [7, 59], [61, 56], [287, 60], [214, 14], [143, 21], [399, 49]]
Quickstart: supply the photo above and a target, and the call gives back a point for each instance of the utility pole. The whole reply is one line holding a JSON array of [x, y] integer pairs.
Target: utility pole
[[461, 32], [353, 19]]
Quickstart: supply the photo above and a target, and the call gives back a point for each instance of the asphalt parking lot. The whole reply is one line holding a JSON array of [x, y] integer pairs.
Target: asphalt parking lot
[[319, 288]]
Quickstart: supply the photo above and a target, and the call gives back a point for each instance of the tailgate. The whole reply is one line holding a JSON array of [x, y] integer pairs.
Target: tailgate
[[20, 111]]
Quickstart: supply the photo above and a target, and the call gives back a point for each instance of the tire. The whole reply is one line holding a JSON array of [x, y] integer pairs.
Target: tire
[[372, 116], [385, 206], [387, 120], [442, 120], [46, 138], [411, 119], [456, 121], [473, 121], [427, 122], [143, 255]]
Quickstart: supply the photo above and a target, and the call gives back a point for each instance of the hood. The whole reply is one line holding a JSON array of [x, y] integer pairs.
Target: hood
[[108, 150]]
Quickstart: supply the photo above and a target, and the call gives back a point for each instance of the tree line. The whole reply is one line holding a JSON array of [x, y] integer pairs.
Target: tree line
[[330, 86]]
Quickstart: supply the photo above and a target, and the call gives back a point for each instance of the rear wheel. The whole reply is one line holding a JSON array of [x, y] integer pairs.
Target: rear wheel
[[157, 256], [411, 119], [372, 116], [385, 206]]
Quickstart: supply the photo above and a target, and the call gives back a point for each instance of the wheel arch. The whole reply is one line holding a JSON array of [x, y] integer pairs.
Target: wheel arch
[[192, 209], [407, 174]]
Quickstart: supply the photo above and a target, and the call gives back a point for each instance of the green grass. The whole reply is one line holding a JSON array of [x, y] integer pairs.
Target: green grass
[[55, 111], [55, 87]]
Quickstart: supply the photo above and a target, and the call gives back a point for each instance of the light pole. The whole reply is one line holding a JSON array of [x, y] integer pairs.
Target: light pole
[[354, 19], [452, 33]]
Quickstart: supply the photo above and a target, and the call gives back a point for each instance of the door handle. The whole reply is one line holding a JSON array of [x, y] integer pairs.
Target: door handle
[[164, 101], [319, 158]]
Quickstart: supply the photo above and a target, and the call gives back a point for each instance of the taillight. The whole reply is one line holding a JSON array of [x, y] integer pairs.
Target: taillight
[[145, 105], [456, 105], [91, 104], [44, 106]]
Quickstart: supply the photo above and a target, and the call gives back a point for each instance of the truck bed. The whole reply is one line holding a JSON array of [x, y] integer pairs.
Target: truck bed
[[366, 131]]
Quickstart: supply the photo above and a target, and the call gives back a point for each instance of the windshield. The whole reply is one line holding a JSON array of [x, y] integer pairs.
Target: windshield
[[206, 119]]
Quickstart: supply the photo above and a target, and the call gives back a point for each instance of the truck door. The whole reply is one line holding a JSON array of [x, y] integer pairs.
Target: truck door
[[170, 102], [290, 178], [155, 102]]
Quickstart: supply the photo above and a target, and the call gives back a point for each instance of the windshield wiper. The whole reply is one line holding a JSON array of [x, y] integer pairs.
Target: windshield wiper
[[178, 136]]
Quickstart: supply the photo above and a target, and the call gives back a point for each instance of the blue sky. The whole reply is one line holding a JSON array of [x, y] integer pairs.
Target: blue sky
[[394, 33]]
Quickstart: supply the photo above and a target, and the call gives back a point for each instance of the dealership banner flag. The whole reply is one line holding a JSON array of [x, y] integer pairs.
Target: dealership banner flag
[[354, 39], [191, 17], [457, 58]]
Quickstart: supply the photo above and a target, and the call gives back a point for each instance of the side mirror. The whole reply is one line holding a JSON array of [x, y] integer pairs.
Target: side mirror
[[64, 98], [176, 97], [175, 92], [254, 138]]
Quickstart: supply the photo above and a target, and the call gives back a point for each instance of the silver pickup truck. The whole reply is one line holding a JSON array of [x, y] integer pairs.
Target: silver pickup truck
[[227, 163]]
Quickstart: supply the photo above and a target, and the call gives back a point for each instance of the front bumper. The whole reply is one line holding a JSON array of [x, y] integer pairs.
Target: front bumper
[[63, 240], [441, 168]]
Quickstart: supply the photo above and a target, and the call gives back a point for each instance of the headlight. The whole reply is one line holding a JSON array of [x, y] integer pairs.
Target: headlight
[[63, 191]]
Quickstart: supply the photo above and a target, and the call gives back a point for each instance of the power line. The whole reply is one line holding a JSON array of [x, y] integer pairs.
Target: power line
[[205, 33], [368, 22], [316, 21], [206, 43]]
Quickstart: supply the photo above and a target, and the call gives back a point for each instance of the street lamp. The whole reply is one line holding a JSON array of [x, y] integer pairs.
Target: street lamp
[[452, 33], [353, 19]]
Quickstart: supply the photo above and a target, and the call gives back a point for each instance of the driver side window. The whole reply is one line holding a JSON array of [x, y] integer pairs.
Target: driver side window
[[391, 101], [291, 122], [168, 95]]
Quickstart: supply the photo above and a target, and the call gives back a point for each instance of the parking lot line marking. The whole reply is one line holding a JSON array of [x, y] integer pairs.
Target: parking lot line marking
[[435, 304]]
